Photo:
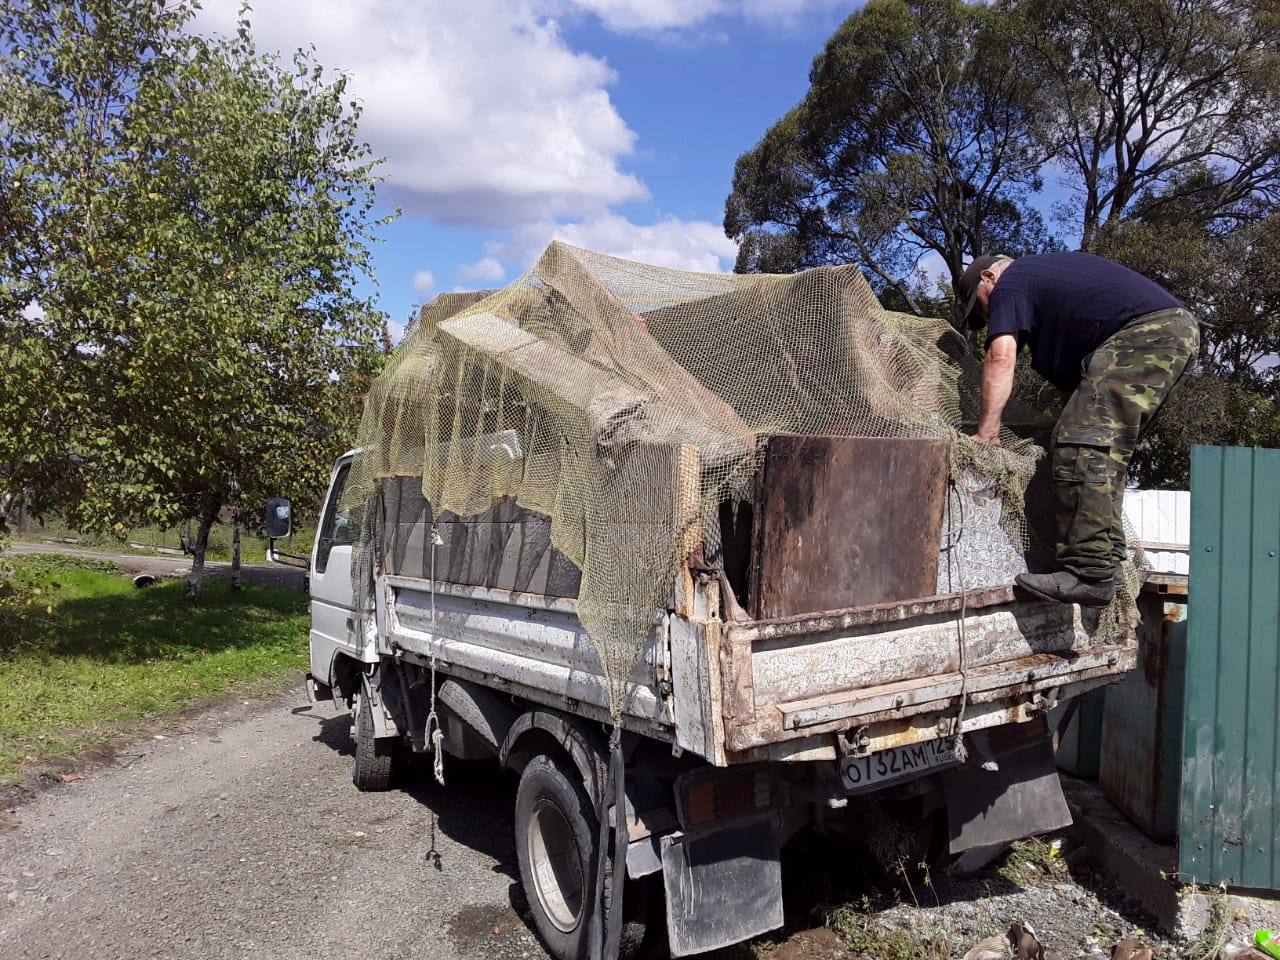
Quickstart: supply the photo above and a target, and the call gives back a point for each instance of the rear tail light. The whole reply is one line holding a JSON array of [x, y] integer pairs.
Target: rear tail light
[[705, 798]]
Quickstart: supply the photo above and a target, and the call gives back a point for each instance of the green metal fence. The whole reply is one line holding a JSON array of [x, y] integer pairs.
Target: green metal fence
[[1230, 822]]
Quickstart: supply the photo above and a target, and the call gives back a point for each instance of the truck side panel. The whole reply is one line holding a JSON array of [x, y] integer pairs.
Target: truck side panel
[[528, 644]]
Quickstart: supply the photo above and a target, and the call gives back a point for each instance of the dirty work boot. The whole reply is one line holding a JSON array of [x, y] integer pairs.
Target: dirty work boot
[[1066, 587]]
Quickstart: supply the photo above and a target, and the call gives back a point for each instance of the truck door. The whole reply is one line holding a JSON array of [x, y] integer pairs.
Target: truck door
[[333, 623]]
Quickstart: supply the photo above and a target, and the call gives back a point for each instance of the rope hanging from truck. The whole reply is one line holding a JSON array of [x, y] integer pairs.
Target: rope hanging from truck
[[953, 543]]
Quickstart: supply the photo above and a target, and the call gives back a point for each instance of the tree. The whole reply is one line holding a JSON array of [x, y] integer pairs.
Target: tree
[[919, 135], [1167, 121], [199, 219], [1225, 267], [1148, 92]]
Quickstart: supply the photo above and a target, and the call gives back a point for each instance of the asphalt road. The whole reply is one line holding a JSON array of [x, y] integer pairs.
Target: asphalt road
[[239, 834], [262, 574]]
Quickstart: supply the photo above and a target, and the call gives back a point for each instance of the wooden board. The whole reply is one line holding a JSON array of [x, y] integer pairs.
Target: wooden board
[[845, 522]]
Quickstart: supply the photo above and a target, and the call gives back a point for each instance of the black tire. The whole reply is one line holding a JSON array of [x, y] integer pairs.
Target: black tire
[[371, 770], [556, 826]]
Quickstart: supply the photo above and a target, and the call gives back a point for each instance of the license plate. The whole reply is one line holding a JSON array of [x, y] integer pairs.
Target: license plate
[[896, 763]]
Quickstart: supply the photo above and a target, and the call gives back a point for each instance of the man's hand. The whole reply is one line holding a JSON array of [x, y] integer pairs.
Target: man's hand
[[990, 438], [997, 384]]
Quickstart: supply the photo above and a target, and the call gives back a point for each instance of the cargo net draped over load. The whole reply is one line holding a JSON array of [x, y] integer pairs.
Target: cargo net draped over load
[[628, 402]]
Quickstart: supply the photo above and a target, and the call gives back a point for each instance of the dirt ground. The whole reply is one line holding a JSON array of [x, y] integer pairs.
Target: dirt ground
[[235, 831]]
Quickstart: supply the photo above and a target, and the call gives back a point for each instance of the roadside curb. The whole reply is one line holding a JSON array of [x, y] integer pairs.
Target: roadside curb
[[1145, 870]]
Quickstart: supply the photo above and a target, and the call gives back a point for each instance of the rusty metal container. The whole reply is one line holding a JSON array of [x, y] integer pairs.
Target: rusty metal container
[[1141, 756], [845, 522], [1081, 743]]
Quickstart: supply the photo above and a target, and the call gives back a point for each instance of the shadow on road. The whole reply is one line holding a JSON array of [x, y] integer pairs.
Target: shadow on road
[[474, 809]]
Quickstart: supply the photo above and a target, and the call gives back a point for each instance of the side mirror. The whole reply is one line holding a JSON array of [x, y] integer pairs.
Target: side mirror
[[279, 521]]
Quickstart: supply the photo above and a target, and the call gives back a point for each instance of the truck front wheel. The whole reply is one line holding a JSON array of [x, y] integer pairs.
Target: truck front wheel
[[372, 768], [556, 837]]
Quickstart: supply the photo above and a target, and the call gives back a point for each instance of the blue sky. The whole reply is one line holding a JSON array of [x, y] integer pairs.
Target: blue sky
[[614, 124]]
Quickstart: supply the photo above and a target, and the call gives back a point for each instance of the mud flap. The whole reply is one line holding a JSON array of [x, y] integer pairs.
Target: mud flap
[[1021, 798], [722, 887], [384, 724]]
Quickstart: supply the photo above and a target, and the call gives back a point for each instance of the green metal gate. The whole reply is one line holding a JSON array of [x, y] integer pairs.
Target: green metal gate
[[1230, 814]]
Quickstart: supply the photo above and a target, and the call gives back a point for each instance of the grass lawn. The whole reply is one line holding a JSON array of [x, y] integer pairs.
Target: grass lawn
[[98, 654]]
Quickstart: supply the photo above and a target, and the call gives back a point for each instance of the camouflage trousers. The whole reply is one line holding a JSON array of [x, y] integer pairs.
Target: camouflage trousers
[[1125, 382]]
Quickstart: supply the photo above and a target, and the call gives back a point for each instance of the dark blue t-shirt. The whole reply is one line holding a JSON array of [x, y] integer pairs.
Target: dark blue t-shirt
[[1064, 305]]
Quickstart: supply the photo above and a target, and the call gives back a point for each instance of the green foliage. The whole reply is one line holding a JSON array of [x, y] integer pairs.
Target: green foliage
[[867, 935], [929, 124], [1168, 125], [1149, 91], [17, 600], [1212, 942], [919, 134], [193, 221], [107, 654], [1225, 266]]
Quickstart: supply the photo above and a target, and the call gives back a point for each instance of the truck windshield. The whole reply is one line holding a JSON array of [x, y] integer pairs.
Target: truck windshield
[[336, 530]]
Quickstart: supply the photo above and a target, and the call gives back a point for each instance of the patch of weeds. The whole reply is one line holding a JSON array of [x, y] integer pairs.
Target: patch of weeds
[[895, 848], [1033, 861], [867, 935], [1213, 939]]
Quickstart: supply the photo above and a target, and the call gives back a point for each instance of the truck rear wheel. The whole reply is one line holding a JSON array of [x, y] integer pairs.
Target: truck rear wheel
[[556, 842], [372, 768]]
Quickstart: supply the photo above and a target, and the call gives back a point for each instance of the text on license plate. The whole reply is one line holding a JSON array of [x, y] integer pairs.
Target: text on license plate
[[896, 763]]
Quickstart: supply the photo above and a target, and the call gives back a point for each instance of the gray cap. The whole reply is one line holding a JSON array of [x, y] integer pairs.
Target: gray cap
[[967, 291]]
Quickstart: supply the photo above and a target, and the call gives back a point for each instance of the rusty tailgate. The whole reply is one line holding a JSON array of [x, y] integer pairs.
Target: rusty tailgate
[[894, 671]]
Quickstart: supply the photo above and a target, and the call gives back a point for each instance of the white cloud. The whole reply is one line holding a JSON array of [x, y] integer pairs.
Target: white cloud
[[33, 311], [670, 242], [485, 114], [424, 282], [661, 15], [487, 269], [649, 14]]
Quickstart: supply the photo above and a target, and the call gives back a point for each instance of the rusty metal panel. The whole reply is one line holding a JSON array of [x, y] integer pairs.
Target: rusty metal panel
[[1141, 744], [789, 678], [1229, 830], [846, 522]]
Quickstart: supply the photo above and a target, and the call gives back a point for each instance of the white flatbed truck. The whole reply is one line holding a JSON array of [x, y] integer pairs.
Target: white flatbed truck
[[740, 730]]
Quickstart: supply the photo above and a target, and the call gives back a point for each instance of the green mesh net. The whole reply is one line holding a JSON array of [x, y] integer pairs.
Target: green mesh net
[[635, 399]]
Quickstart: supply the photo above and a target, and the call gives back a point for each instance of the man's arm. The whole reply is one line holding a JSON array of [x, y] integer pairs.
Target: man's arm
[[997, 384]]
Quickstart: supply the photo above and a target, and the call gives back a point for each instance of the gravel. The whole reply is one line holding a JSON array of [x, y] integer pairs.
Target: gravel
[[241, 835], [237, 833]]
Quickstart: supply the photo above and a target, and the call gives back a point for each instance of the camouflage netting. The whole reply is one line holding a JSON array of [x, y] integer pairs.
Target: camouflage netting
[[639, 396]]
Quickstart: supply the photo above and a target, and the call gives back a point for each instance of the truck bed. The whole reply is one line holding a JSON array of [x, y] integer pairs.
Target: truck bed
[[815, 687]]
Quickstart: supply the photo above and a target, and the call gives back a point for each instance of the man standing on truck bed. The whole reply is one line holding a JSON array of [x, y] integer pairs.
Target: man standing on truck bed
[[1117, 340]]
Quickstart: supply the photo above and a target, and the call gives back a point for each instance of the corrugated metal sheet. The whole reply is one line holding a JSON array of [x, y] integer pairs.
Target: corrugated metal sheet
[[1161, 518], [1230, 831]]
